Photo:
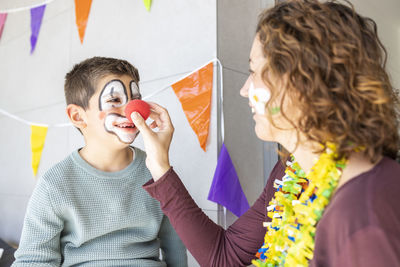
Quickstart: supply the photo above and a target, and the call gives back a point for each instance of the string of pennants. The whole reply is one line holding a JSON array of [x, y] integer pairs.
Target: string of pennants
[[82, 10], [193, 91]]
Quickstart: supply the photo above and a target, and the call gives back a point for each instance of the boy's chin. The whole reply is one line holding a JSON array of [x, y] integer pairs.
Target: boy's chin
[[119, 145], [125, 140]]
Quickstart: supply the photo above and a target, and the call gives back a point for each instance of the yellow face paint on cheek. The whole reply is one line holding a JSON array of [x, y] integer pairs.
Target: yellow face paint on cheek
[[258, 98]]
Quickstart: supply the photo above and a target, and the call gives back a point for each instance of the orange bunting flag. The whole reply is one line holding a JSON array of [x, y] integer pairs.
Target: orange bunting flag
[[194, 93], [82, 10], [38, 137]]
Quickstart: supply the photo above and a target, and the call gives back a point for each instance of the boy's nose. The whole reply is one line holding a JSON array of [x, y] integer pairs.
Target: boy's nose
[[123, 111], [120, 110], [244, 91]]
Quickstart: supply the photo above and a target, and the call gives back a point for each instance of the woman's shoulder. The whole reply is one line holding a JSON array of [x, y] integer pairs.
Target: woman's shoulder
[[277, 173], [369, 202], [377, 184], [370, 199]]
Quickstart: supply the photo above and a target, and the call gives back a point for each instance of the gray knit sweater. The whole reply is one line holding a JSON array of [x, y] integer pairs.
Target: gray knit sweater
[[81, 216]]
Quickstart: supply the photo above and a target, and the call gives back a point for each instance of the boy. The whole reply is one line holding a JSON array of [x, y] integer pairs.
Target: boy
[[90, 209]]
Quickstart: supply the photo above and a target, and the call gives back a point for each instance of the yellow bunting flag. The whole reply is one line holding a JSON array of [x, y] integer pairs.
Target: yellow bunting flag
[[82, 10], [147, 4], [38, 137], [194, 93]]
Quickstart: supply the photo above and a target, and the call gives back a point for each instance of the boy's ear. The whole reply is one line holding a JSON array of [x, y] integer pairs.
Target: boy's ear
[[76, 115]]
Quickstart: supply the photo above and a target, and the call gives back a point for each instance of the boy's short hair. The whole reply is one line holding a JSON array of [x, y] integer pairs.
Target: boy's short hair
[[80, 82]]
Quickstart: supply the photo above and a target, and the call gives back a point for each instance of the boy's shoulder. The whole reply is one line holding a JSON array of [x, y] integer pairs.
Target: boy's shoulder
[[60, 169]]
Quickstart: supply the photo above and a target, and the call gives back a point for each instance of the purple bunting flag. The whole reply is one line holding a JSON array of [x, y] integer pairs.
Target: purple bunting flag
[[36, 22], [226, 189], [3, 17]]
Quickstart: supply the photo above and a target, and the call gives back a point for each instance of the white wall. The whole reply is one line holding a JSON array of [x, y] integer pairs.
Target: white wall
[[386, 15], [173, 39]]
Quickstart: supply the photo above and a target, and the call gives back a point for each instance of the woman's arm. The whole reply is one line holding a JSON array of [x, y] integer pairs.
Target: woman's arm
[[208, 242]]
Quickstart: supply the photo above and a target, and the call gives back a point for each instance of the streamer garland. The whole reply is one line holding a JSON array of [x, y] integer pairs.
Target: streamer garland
[[296, 208]]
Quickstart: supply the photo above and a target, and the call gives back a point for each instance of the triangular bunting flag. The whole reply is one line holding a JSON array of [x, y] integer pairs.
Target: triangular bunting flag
[[194, 93], [3, 17], [36, 22], [38, 137], [147, 4], [82, 10], [226, 189]]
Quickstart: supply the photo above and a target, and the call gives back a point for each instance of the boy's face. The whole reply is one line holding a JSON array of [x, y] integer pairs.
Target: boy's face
[[106, 121]]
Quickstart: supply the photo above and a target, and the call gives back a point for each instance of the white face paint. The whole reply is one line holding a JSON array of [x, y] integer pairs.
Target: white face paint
[[121, 126], [114, 95], [258, 97], [135, 91]]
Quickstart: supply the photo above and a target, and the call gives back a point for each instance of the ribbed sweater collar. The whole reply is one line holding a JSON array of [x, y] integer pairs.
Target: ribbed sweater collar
[[76, 157]]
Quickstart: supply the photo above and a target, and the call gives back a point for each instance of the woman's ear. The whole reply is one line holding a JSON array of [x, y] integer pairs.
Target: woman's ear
[[76, 115]]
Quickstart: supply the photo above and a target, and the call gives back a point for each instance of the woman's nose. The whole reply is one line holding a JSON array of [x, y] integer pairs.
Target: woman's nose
[[244, 91]]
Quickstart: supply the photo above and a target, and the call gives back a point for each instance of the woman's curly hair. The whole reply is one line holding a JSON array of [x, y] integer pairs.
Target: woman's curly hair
[[335, 68]]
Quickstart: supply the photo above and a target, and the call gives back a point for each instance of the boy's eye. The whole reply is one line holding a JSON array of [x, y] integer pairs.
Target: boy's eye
[[113, 100]]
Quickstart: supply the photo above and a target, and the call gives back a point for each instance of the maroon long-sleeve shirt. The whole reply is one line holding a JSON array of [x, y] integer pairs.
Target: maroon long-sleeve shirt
[[360, 226]]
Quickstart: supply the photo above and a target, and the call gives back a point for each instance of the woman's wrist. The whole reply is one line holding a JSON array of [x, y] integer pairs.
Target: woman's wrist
[[159, 172]]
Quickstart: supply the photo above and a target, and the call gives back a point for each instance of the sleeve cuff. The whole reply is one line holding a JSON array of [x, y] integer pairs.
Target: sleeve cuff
[[162, 188], [151, 183]]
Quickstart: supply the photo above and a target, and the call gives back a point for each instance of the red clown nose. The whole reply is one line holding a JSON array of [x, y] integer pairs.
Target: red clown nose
[[139, 106]]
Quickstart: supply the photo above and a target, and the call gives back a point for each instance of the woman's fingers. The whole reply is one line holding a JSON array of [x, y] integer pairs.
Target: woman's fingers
[[140, 123], [156, 118], [156, 142], [157, 107], [153, 125], [163, 112], [161, 116]]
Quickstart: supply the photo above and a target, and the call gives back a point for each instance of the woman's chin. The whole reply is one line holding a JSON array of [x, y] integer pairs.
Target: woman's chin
[[264, 135]]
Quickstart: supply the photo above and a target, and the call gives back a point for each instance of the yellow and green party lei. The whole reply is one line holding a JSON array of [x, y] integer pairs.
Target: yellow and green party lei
[[296, 208]]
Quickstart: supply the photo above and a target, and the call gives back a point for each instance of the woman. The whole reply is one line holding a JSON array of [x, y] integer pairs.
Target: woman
[[318, 86]]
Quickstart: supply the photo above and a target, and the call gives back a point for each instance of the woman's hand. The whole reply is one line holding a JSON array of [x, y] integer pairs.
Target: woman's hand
[[156, 143]]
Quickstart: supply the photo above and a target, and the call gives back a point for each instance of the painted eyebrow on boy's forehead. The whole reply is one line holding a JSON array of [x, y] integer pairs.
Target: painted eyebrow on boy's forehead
[[112, 91]]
